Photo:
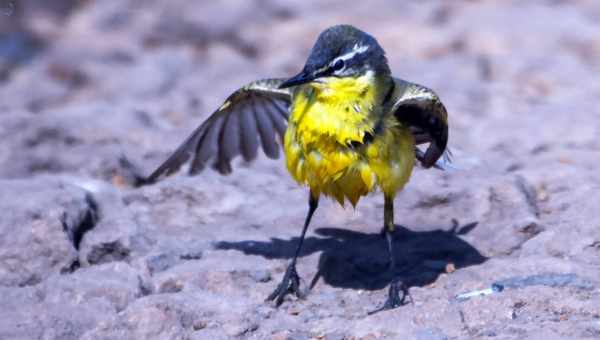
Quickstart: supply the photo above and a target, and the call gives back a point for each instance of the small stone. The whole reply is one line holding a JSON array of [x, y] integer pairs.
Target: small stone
[[171, 286], [260, 275], [294, 311], [200, 324]]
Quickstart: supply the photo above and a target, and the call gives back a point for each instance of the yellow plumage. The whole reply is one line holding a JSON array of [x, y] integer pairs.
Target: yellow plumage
[[325, 146]]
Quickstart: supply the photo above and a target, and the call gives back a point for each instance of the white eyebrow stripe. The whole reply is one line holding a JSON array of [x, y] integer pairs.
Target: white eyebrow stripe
[[356, 49]]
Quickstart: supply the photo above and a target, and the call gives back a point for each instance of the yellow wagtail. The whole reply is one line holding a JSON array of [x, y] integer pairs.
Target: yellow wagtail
[[346, 125]]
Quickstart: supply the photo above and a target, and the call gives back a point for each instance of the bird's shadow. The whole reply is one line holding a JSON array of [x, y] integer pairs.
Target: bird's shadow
[[351, 259]]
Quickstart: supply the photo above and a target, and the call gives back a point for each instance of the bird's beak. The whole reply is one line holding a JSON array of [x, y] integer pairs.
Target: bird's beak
[[299, 79]]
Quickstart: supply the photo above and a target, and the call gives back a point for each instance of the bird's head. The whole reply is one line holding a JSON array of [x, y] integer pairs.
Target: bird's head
[[342, 51]]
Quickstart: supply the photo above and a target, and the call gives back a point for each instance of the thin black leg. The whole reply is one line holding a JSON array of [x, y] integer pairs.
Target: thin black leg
[[398, 291], [290, 283]]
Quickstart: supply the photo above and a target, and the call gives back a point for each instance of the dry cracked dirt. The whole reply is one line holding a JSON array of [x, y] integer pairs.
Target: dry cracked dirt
[[94, 93]]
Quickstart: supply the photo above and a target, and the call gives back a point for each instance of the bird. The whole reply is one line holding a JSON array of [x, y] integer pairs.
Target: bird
[[347, 127]]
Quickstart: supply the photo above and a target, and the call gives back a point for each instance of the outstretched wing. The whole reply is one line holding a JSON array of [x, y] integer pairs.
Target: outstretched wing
[[421, 109], [259, 109]]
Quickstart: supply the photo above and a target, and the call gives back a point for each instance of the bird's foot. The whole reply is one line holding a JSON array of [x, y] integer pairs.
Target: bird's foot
[[290, 284], [397, 294]]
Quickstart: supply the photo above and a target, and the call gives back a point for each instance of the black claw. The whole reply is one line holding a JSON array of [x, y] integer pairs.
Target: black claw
[[397, 294], [290, 284]]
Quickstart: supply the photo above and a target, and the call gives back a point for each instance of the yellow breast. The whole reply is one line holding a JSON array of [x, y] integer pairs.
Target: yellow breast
[[324, 141]]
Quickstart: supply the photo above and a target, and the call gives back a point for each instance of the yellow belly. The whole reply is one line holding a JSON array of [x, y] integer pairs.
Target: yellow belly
[[319, 153]]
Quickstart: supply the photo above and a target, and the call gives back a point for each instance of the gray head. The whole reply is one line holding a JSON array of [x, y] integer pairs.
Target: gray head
[[342, 51]]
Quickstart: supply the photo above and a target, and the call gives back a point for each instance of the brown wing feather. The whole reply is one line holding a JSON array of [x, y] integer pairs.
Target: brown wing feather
[[207, 145], [249, 135], [421, 109], [267, 132], [257, 109], [276, 111]]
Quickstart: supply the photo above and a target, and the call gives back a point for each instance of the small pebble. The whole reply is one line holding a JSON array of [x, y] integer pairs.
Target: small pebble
[[260, 275]]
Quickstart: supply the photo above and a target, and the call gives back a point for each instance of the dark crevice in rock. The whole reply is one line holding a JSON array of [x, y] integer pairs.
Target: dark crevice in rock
[[530, 195], [594, 245], [528, 231], [71, 268], [145, 287], [82, 225], [89, 221], [85, 224], [434, 201], [31, 281], [191, 256], [531, 230], [108, 252]]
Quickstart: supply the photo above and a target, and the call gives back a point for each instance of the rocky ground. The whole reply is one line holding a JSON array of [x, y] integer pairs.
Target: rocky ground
[[88, 86]]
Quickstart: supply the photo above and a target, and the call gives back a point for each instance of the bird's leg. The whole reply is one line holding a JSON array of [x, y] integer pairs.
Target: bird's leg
[[291, 281], [398, 291]]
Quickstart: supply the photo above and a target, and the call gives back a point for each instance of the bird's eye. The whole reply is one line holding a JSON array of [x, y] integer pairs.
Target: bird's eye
[[338, 65]]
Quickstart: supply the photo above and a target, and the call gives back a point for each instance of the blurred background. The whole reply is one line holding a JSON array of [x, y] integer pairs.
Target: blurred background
[[94, 93]]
